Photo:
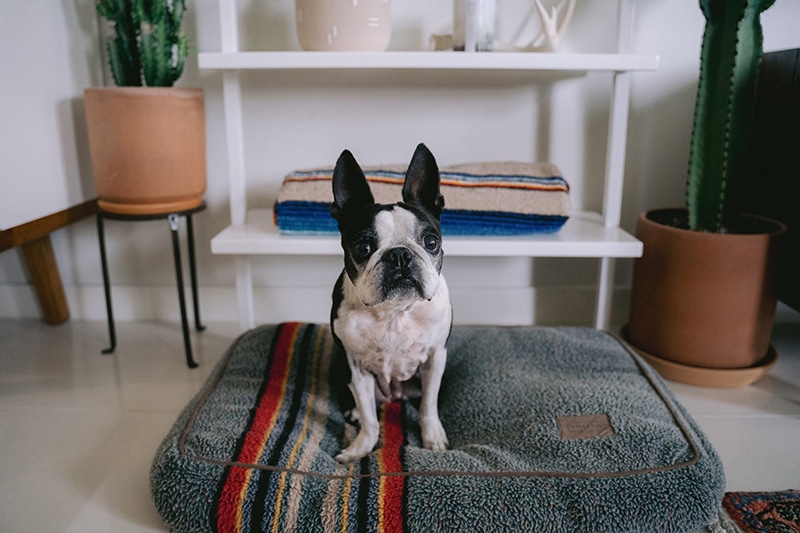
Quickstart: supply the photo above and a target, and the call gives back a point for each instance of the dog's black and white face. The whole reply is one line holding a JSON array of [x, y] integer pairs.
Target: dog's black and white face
[[392, 252], [391, 308]]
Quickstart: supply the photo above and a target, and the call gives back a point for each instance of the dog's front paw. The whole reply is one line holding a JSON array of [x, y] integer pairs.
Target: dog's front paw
[[352, 416], [361, 446], [434, 437]]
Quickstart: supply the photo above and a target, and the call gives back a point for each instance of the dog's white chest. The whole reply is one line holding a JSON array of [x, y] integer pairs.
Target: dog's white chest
[[390, 345], [395, 353], [393, 343]]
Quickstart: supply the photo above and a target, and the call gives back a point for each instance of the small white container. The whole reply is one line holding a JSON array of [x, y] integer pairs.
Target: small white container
[[343, 25], [473, 25]]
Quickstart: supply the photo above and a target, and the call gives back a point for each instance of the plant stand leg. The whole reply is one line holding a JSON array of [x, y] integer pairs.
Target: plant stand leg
[[193, 272], [112, 335], [173, 226]]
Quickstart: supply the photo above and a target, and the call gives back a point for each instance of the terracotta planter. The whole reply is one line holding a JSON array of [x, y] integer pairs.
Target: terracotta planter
[[343, 25], [148, 148], [704, 300]]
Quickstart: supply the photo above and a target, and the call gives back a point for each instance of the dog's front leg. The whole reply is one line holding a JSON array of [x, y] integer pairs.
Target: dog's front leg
[[433, 434], [362, 386]]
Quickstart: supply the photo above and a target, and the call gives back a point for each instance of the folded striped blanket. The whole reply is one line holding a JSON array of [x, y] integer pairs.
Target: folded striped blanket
[[480, 198]]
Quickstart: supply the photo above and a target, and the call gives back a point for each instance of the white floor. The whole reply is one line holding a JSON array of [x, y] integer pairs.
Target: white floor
[[78, 429]]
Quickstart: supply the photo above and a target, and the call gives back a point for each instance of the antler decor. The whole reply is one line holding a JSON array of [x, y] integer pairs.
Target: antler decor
[[553, 26]]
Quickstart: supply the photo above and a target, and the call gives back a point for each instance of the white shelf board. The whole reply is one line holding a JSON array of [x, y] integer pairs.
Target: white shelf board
[[583, 235], [532, 61]]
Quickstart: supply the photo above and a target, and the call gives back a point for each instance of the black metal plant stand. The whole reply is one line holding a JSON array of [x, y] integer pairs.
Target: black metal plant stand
[[172, 219]]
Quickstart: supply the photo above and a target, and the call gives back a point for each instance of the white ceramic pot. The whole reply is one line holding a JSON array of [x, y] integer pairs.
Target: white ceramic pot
[[343, 25]]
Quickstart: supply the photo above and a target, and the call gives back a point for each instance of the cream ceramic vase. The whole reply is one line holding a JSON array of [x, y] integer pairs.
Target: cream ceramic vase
[[343, 25]]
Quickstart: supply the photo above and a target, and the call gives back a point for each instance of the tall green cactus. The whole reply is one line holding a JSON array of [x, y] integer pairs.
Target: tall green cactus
[[731, 53], [147, 43]]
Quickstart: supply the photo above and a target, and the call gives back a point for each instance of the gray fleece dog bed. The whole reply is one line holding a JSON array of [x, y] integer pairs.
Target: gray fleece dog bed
[[550, 429]]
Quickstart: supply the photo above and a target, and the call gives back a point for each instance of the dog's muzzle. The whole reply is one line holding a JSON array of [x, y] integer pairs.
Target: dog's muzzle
[[400, 273]]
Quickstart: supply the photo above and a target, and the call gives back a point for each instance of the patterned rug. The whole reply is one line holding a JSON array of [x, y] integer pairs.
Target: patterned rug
[[764, 512]]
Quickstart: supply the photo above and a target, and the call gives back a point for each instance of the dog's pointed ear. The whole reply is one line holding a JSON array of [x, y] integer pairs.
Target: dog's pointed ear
[[421, 185], [350, 187]]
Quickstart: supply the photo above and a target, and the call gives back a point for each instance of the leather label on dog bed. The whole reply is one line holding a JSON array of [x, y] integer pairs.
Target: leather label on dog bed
[[584, 427]]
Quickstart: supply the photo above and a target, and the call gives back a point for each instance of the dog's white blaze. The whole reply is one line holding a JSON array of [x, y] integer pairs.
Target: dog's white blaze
[[395, 226]]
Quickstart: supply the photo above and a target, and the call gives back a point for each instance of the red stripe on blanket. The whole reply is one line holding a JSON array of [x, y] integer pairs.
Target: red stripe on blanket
[[233, 494], [392, 486]]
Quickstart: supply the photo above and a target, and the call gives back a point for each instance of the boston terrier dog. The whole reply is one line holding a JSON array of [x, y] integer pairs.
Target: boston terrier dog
[[391, 312]]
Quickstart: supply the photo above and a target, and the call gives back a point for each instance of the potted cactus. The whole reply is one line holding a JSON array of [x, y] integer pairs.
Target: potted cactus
[[704, 292], [146, 137]]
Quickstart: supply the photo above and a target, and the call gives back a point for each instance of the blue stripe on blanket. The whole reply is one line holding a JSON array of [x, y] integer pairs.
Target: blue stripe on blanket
[[462, 222], [314, 218], [310, 218]]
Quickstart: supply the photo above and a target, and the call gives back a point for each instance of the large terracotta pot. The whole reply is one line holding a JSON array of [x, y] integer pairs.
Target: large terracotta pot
[[704, 300], [148, 148]]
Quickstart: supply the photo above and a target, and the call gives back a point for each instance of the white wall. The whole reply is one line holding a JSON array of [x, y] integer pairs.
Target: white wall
[[305, 119], [48, 54]]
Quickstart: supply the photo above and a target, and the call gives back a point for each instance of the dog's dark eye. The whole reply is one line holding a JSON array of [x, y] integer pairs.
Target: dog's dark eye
[[362, 249], [431, 242]]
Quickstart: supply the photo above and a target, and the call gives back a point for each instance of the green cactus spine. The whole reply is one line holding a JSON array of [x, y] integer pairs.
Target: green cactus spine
[[147, 44], [731, 53]]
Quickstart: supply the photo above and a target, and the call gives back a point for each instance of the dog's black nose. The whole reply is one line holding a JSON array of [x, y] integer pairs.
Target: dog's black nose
[[398, 257]]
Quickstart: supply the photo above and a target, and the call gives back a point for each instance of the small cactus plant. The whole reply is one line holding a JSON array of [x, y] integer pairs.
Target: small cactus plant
[[146, 42], [730, 57]]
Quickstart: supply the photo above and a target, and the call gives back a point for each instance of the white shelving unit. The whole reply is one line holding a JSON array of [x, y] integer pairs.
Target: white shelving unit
[[596, 235]]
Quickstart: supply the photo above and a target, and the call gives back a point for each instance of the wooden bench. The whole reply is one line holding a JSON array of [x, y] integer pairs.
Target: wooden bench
[[34, 240]]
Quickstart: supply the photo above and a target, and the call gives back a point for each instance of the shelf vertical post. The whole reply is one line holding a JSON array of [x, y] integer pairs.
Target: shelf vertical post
[[615, 163], [605, 289], [232, 102], [244, 293], [237, 188], [615, 150]]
